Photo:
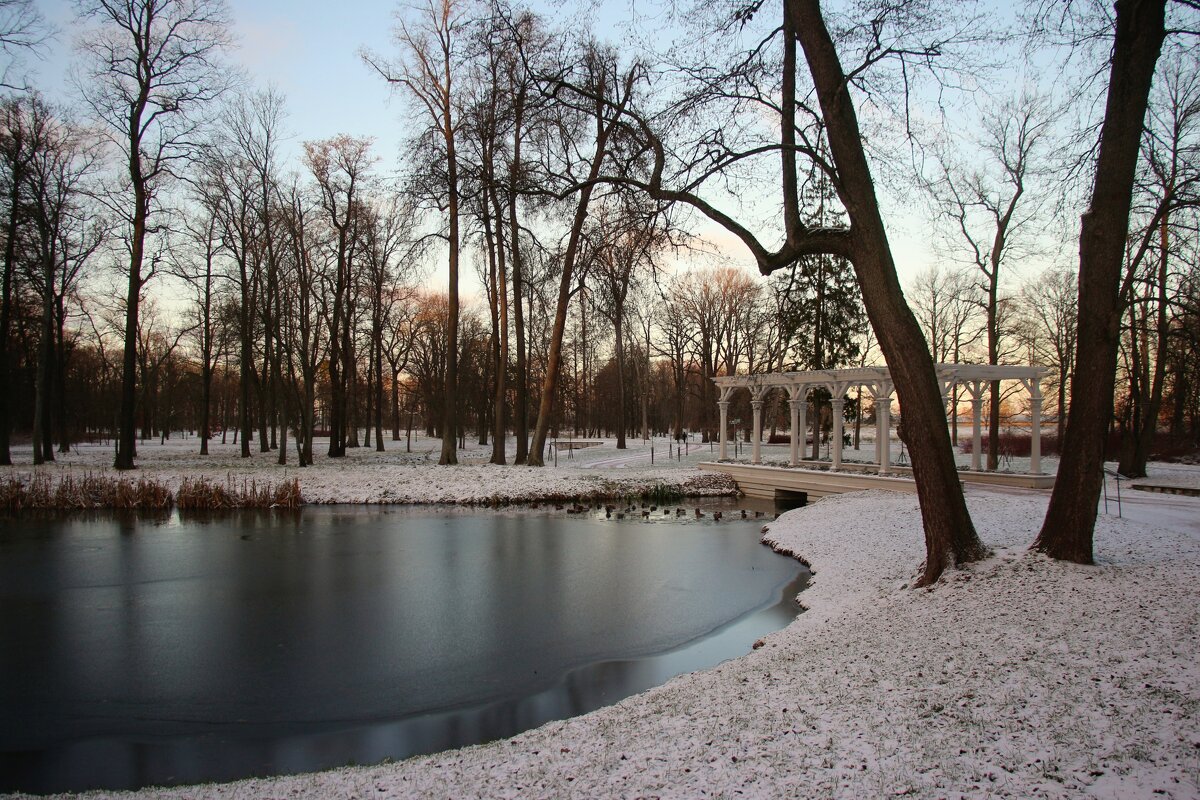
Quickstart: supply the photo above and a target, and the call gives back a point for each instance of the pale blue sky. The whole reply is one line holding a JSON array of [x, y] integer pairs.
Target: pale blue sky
[[309, 49]]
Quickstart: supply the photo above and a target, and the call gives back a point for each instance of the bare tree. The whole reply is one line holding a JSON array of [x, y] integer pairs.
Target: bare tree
[[993, 209], [63, 238], [527, 41], [388, 258], [946, 305], [426, 72], [23, 125], [196, 264], [303, 327], [950, 535], [675, 344], [341, 167], [401, 329], [240, 236], [23, 29], [151, 68], [627, 238], [600, 97], [646, 314], [487, 114], [1049, 302], [1169, 186], [253, 129]]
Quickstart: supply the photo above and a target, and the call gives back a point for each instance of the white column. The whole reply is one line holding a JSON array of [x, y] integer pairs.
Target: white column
[[756, 450], [976, 427], [838, 404], [794, 404], [724, 406], [1035, 442], [883, 433], [802, 430]]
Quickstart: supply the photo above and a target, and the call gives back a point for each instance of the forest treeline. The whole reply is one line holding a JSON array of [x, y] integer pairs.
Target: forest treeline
[[168, 266]]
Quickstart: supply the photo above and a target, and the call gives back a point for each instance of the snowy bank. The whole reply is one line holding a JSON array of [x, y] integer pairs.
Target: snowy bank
[[1019, 677], [397, 476]]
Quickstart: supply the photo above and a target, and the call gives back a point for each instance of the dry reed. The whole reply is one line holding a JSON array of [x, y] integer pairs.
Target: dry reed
[[204, 494], [70, 493]]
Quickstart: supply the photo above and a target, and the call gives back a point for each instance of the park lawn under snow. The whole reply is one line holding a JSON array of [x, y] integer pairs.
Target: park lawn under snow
[[406, 473], [1017, 677], [399, 476]]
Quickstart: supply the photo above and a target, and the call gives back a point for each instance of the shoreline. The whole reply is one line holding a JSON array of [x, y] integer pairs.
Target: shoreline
[[394, 477]]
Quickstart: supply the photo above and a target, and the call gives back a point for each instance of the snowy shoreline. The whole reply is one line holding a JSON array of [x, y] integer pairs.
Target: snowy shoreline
[[365, 476], [1017, 677]]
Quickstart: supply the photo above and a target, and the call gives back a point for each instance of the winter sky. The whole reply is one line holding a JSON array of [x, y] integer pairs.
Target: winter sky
[[310, 51]]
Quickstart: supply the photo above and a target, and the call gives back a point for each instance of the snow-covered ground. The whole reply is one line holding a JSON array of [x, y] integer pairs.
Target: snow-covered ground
[[408, 473], [400, 476], [1018, 677]]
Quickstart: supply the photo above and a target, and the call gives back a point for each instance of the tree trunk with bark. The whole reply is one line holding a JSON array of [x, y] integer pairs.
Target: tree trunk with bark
[[499, 291], [1066, 532], [18, 160], [604, 129], [127, 417], [619, 334], [950, 536], [1135, 457]]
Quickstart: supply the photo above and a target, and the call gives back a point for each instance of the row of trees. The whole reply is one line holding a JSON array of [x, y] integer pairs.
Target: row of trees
[[569, 175]]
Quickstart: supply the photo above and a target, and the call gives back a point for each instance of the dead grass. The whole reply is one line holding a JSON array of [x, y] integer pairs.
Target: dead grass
[[70, 493], [203, 494]]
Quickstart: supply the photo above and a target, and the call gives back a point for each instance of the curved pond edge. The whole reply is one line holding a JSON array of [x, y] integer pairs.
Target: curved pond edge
[[578, 691], [581, 690]]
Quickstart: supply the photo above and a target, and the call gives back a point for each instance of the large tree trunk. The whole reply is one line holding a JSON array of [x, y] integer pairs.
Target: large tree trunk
[[336, 450], [127, 419], [619, 331], [263, 384], [10, 257], [377, 353], [395, 405], [680, 388], [550, 382], [500, 319], [246, 372], [1071, 517], [308, 414], [43, 451], [1133, 463], [337, 447], [64, 430], [450, 400], [646, 390], [521, 395], [282, 398], [205, 404], [350, 381], [284, 417], [950, 536]]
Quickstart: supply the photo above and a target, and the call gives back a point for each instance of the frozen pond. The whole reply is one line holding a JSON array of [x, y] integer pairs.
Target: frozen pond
[[187, 649]]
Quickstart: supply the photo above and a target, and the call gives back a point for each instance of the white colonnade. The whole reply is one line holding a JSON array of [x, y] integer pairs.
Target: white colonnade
[[975, 378]]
